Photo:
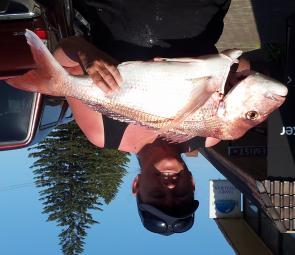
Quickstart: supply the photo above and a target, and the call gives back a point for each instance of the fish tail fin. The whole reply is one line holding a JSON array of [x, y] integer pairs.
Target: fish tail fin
[[48, 71]]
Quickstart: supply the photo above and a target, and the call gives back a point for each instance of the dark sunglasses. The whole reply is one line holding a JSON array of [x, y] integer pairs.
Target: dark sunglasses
[[159, 222]]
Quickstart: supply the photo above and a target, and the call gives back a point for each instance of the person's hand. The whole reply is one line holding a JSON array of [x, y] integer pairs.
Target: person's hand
[[102, 69]]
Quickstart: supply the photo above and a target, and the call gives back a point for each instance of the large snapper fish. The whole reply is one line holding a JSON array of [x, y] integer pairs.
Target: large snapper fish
[[179, 98], [246, 105]]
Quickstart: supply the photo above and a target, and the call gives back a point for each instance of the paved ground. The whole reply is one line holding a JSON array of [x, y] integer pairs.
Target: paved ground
[[249, 23]]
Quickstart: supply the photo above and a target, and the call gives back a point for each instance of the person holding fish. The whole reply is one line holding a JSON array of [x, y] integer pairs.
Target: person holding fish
[[176, 96]]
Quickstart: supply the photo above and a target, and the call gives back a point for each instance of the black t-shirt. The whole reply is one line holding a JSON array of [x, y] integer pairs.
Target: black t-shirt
[[143, 29]]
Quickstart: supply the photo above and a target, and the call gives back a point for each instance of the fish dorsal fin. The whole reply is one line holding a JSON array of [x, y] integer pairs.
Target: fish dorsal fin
[[148, 120], [204, 88], [111, 114], [174, 137]]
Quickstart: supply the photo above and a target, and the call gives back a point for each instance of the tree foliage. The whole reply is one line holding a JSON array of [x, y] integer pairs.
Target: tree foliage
[[75, 177]]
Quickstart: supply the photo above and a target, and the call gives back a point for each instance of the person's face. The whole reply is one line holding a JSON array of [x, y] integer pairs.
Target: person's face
[[164, 179]]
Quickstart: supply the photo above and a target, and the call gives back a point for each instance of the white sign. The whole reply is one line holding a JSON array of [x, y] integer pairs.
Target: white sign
[[224, 200]]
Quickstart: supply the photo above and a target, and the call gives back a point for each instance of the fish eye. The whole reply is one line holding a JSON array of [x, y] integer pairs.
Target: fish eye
[[252, 115]]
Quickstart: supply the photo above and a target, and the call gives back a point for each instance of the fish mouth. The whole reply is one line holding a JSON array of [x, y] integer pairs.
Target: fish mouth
[[280, 91], [276, 97]]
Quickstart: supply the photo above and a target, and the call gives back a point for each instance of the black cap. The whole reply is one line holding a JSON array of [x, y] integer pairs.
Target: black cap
[[158, 221]]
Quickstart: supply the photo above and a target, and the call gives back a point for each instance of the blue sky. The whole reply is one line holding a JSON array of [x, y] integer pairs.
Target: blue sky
[[24, 229]]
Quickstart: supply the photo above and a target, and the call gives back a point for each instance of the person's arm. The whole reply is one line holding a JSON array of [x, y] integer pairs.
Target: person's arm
[[98, 64], [89, 121]]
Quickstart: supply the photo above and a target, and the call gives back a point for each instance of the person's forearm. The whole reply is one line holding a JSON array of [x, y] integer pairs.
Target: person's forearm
[[89, 121]]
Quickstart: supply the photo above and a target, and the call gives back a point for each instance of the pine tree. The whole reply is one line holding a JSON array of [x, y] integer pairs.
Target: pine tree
[[75, 177]]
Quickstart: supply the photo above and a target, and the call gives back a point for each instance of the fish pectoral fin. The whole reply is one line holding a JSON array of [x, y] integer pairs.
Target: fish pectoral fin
[[211, 141], [233, 54], [203, 90], [183, 60]]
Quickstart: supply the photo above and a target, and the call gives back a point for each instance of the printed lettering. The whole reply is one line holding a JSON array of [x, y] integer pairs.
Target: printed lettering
[[289, 130], [283, 131]]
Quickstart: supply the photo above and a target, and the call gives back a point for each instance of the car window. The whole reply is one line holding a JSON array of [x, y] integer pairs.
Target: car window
[[15, 113], [10, 7], [51, 112], [68, 113]]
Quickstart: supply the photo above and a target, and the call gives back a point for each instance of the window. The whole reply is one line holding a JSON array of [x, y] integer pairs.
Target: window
[[15, 113]]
